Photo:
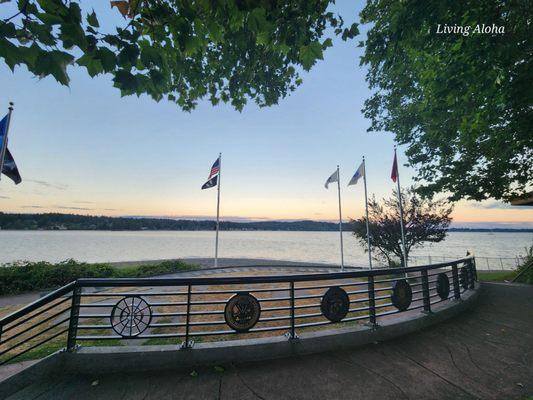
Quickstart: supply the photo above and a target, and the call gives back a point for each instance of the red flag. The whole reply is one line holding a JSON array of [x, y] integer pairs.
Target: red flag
[[394, 172]]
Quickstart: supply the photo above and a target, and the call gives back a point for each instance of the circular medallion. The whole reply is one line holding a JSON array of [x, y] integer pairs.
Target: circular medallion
[[335, 304], [464, 277], [443, 286], [242, 312], [131, 316], [401, 295]]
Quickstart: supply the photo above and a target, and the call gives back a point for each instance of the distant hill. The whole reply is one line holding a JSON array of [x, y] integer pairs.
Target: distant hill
[[56, 221]]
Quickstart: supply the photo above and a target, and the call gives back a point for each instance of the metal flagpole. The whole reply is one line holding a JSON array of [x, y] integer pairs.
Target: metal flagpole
[[340, 217], [218, 206], [366, 206], [4, 143], [401, 210]]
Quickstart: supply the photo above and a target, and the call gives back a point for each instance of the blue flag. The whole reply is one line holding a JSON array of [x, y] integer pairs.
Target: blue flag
[[3, 132]]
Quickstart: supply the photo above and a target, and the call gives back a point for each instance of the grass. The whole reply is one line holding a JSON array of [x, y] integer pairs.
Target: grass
[[496, 276]]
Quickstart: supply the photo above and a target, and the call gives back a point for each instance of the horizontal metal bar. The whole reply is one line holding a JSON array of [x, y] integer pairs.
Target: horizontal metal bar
[[123, 294], [34, 346], [203, 281], [7, 329], [37, 303], [5, 340], [34, 336]]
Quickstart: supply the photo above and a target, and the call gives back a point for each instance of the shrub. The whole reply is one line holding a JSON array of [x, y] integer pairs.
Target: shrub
[[525, 270], [29, 276]]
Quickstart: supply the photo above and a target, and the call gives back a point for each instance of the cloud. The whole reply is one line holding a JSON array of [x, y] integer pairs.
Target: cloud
[[32, 207], [494, 205], [58, 186], [74, 208], [84, 202], [4, 197]]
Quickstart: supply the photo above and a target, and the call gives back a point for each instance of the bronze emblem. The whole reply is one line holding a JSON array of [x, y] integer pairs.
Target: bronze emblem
[[402, 295], [131, 316], [443, 285], [335, 304], [242, 312]]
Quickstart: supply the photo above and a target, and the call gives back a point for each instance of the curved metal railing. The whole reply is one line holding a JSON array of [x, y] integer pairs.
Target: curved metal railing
[[183, 310]]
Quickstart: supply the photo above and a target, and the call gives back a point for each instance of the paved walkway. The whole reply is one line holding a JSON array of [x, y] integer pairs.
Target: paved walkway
[[485, 353]]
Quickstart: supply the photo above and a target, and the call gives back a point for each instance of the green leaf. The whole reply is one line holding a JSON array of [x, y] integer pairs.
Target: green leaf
[[257, 21], [107, 58], [309, 54], [93, 65], [54, 63], [218, 368], [92, 20]]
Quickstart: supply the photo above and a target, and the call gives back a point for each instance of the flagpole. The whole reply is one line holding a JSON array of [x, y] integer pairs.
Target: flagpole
[[340, 216], [401, 210], [367, 227], [218, 207], [4, 143]]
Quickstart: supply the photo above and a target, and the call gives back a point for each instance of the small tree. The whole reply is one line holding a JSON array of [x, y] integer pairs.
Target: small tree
[[424, 220]]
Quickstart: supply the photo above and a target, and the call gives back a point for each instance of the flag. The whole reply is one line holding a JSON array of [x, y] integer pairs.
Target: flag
[[358, 174], [333, 178], [210, 183], [394, 172], [10, 169], [3, 132], [213, 175], [214, 169]]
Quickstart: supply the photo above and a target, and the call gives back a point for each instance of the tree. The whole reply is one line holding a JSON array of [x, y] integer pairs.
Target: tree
[[460, 102], [425, 220], [232, 50]]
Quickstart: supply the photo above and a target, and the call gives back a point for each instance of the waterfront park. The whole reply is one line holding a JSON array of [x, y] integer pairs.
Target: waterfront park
[[127, 274]]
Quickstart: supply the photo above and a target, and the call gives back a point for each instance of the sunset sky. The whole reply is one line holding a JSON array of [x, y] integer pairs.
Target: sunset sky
[[86, 150]]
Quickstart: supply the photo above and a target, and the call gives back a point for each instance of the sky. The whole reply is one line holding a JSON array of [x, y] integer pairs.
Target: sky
[[84, 149]]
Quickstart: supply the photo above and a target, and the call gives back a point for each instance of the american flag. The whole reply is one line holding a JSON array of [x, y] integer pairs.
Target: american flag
[[214, 169]]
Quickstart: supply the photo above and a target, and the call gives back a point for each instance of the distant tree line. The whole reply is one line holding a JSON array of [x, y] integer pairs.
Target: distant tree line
[[56, 221]]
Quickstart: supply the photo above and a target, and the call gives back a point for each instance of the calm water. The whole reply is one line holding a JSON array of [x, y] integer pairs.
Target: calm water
[[95, 246]]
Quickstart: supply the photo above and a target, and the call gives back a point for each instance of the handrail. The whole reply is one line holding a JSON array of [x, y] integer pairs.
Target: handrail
[[190, 317], [199, 281], [38, 303]]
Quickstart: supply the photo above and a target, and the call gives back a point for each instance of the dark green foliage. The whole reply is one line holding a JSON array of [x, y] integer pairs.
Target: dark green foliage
[[31, 276], [176, 49], [424, 221], [525, 270], [461, 104]]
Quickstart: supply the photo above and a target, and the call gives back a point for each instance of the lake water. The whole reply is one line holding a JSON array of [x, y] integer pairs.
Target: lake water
[[99, 246]]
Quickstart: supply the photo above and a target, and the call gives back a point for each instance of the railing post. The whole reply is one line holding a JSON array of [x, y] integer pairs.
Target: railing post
[[187, 344], [474, 267], [292, 334], [74, 316], [471, 274], [371, 301], [425, 291], [456, 288]]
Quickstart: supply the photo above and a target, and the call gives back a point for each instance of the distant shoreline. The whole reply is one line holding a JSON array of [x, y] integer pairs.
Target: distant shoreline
[[74, 222]]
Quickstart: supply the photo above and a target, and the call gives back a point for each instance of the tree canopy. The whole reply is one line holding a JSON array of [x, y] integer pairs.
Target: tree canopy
[[181, 50], [424, 221], [461, 103]]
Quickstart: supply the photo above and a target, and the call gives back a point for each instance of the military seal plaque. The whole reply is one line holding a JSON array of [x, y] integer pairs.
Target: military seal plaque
[[242, 312], [443, 285], [402, 295], [335, 304]]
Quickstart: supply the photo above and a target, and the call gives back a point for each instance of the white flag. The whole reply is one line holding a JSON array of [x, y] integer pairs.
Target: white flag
[[333, 178], [358, 174]]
